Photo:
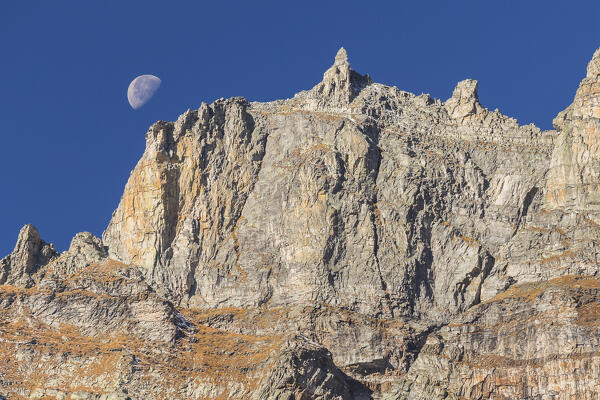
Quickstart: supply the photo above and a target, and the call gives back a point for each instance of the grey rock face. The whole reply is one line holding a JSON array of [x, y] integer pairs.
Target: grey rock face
[[536, 340], [30, 254], [85, 249], [184, 198], [305, 367], [574, 175], [464, 100], [353, 194], [340, 85], [102, 298], [352, 242]]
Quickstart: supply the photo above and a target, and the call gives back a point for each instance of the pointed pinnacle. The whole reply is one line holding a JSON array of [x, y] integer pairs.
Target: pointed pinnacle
[[341, 57], [593, 68]]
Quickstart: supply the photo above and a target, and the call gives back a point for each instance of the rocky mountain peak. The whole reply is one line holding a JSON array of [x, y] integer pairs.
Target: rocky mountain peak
[[30, 253], [354, 242], [464, 100], [593, 68], [341, 57], [84, 250], [340, 85], [28, 241]]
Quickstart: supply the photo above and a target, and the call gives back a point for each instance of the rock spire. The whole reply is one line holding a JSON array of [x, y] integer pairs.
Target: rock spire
[[30, 253], [464, 100], [341, 57], [340, 85]]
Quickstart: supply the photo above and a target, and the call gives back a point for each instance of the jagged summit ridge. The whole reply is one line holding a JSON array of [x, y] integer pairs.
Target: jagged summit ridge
[[355, 241], [340, 85], [243, 171]]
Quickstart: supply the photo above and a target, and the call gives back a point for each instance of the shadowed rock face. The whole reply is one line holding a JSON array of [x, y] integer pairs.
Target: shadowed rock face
[[352, 242], [30, 254]]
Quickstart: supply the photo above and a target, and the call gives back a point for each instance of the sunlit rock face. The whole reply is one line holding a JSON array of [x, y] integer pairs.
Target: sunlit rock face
[[464, 100], [351, 194], [574, 177], [186, 194], [355, 241]]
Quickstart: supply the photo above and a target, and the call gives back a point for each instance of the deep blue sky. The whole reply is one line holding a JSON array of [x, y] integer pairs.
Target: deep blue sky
[[69, 138]]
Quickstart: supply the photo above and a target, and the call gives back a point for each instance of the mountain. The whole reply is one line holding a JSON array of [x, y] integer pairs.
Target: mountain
[[353, 242]]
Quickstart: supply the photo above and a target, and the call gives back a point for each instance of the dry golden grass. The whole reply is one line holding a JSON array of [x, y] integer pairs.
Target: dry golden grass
[[558, 257], [54, 353], [209, 354], [591, 222], [105, 271], [530, 291], [588, 315]]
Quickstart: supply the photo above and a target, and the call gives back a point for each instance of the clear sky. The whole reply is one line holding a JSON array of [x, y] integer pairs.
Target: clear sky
[[70, 139]]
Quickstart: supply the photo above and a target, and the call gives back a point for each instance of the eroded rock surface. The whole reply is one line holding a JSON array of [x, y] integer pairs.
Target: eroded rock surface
[[534, 341], [355, 241], [30, 254]]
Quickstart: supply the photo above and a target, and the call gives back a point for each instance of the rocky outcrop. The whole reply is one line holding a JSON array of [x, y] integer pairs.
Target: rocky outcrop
[[464, 100], [103, 298], [85, 249], [304, 370], [574, 176], [533, 341], [30, 254], [340, 85], [352, 242]]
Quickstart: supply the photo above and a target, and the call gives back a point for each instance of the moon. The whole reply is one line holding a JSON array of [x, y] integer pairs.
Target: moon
[[141, 90]]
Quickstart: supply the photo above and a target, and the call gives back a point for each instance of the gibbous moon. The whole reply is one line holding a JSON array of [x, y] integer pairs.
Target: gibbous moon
[[141, 90]]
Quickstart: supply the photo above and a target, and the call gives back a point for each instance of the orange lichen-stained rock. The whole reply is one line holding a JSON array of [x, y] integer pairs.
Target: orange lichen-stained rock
[[184, 197]]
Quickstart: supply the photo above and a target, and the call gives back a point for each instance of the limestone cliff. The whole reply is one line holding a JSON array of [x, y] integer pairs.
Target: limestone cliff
[[355, 241]]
